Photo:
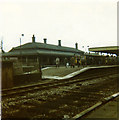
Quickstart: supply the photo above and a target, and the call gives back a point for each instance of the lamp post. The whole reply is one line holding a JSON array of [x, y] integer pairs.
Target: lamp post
[[1, 46], [85, 48], [20, 47]]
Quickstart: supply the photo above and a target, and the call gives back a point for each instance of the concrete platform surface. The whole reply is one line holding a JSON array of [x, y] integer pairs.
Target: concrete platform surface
[[65, 73], [60, 72]]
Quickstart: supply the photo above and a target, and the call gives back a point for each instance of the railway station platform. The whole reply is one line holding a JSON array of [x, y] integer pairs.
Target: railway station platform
[[110, 110], [59, 73], [66, 73]]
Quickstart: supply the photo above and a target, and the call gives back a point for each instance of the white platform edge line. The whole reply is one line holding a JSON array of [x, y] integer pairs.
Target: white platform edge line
[[74, 73]]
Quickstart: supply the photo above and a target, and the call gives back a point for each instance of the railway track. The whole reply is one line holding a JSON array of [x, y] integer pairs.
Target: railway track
[[65, 101], [31, 88], [78, 99], [65, 98]]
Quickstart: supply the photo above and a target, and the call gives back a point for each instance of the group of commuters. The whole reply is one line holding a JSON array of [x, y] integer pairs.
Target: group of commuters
[[87, 60], [72, 62]]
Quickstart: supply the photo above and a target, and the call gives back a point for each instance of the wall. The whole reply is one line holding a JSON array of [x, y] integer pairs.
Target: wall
[[25, 79], [7, 74], [12, 75]]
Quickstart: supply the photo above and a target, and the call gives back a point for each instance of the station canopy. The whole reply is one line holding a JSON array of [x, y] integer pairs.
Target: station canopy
[[108, 49]]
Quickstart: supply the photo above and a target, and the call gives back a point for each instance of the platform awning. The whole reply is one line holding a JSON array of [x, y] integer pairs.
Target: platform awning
[[109, 49]]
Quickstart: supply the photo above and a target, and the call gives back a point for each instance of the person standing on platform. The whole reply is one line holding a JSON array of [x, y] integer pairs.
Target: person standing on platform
[[78, 61], [39, 68], [57, 62], [66, 62], [83, 61], [72, 62], [75, 60]]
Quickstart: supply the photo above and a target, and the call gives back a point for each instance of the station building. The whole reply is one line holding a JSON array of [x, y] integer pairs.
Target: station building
[[43, 53]]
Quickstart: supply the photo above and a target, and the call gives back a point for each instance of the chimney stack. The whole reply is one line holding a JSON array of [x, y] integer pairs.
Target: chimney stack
[[76, 46], [59, 42], [45, 40], [33, 39]]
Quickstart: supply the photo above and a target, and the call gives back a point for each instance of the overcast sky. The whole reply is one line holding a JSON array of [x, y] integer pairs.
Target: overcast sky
[[88, 22]]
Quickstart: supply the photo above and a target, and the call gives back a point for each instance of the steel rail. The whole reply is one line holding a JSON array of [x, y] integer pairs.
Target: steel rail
[[36, 87]]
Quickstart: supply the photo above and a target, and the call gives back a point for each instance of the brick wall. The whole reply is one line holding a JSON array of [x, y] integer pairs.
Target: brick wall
[[7, 74]]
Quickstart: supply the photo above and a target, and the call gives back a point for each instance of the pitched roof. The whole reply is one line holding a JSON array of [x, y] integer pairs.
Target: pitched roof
[[38, 45], [36, 48]]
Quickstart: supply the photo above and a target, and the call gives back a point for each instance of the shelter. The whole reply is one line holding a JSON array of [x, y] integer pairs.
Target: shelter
[[109, 49]]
